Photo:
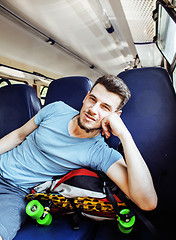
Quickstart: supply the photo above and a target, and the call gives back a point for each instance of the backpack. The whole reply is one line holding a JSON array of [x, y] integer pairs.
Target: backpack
[[82, 192]]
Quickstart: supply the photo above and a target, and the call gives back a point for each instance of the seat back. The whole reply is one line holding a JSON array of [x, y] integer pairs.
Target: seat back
[[18, 103], [70, 90], [150, 115]]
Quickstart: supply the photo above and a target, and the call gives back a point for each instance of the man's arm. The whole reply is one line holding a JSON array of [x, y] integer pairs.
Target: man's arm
[[16, 137], [134, 177]]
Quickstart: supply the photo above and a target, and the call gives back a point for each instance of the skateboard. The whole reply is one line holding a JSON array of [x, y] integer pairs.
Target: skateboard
[[41, 205]]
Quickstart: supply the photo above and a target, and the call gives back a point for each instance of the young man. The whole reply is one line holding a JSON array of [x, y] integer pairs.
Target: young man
[[59, 139]]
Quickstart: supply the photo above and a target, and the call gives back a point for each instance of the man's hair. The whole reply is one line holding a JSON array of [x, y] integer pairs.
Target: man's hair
[[115, 85]]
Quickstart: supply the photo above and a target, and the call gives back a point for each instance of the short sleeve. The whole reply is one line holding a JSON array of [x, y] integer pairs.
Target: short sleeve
[[52, 110], [44, 112], [102, 157]]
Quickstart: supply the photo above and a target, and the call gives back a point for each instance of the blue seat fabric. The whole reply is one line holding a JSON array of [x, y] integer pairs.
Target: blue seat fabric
[[60, 229], [70, 90], [18, 103], [150, 115]]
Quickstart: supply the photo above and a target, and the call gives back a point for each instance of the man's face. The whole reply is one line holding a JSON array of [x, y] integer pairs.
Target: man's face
[[98, 104]]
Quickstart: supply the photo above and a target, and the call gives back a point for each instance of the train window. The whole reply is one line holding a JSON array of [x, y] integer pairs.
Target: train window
[[174, 3], [174, 79], [166, 37], [17, 82], [5, 81], [43, 92]]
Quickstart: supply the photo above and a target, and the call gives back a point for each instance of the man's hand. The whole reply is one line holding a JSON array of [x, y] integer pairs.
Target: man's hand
[[113, 124]]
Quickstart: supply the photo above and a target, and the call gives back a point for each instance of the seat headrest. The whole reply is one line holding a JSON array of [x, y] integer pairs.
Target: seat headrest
[[70, 90], [149, 114]]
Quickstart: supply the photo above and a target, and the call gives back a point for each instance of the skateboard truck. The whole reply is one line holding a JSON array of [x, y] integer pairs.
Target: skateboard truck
[[41, 214]]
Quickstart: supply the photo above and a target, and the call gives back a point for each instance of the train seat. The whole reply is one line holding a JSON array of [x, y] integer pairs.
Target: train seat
[[150, 117], [70, 90], [18, 103]]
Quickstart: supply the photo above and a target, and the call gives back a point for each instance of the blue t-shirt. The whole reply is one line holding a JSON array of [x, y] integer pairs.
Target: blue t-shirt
[[50, 150]]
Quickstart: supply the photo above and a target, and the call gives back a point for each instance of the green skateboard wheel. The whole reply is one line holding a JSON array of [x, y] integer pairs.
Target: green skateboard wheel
[[34, 209], [46, 221], [126, 227], [125, 230]]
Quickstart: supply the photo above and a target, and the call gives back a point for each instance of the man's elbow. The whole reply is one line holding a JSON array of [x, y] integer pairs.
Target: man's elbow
[[149, 204], [20, 136]]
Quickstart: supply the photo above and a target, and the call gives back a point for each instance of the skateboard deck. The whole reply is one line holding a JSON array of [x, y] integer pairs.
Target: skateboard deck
[[84, 203], [41, 204]]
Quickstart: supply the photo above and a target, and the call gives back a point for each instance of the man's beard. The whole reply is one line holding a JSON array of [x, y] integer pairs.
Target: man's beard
[[87, 130]]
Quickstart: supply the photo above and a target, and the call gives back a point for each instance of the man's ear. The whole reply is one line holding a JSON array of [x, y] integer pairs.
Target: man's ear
[[86, 96]]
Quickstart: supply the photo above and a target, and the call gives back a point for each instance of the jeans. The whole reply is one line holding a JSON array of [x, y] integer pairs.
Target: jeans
[[12, 209]]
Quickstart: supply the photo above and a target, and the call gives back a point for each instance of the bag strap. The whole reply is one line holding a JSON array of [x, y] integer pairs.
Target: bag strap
[[133, 208], [139, 214], [114, 203], [109, 193]]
